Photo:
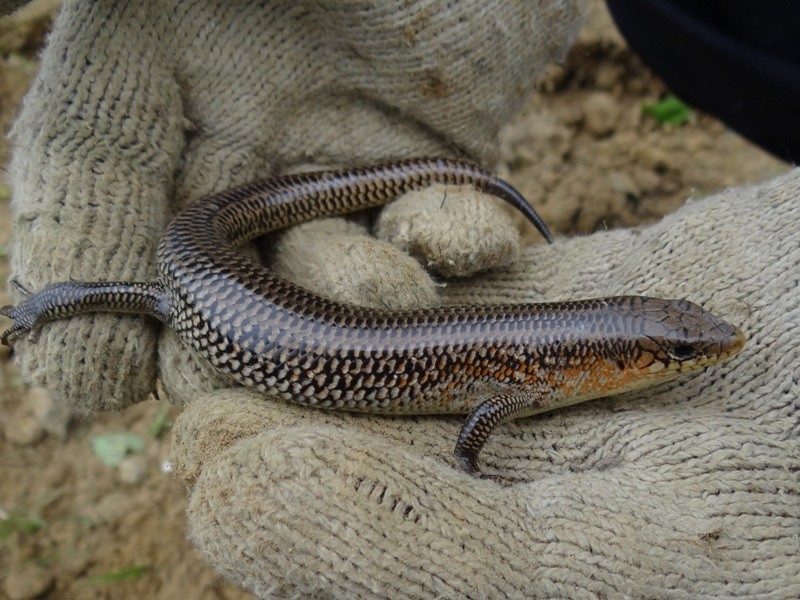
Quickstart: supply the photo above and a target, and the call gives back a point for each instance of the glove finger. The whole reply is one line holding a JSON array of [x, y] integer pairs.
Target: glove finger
[[454, 232], [337, 259], [90, 194], [214, 421]]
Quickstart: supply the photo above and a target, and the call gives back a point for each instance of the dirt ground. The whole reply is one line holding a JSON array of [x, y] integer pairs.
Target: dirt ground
[[72, 527]]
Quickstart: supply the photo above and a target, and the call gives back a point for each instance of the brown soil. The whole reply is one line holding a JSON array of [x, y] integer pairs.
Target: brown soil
[[588, 158], [582, 150]]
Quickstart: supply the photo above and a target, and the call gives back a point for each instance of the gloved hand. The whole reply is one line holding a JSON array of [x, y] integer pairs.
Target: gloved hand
[[139, 109], [290, 501], [688, 489]]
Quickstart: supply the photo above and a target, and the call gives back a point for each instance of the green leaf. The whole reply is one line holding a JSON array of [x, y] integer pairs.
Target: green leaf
[[670, 111], [20, 523], [112, 448], [125, 574], [160, 422]]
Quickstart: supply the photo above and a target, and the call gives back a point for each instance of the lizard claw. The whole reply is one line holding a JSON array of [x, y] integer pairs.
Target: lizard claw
[[27, 317], [14, 282], [17, 329], [19, 326]]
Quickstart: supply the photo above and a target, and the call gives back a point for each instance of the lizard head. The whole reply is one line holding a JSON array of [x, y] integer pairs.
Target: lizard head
[[677, 336]]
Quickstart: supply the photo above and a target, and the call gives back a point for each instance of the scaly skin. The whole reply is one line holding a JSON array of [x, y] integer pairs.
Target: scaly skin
[[493, 362]]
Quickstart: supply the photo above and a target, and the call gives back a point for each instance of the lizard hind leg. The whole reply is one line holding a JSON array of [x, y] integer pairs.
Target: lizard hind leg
[[8, 309], [482, 421]]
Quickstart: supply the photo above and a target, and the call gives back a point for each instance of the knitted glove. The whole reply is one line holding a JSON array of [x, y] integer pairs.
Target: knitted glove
[[685, 490], [140, 108]]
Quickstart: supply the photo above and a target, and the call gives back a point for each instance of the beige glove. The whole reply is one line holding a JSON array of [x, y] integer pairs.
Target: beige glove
[[140, 108], [687, 490]]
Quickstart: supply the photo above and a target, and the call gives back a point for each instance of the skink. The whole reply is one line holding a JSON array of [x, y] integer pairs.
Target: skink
[[493, 363]]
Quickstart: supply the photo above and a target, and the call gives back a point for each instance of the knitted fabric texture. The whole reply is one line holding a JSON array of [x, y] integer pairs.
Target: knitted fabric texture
[[685, 490], [141, 107]]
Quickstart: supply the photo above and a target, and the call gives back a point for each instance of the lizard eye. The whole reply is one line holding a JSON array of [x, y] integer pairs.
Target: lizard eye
[[682, 351]]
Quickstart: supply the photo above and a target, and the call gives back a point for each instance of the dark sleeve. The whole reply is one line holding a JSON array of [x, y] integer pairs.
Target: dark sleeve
[[738, 60]]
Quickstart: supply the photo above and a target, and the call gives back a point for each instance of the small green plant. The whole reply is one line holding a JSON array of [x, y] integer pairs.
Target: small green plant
[[669, 111], [19, 522], [121, 575], [112, 448]]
